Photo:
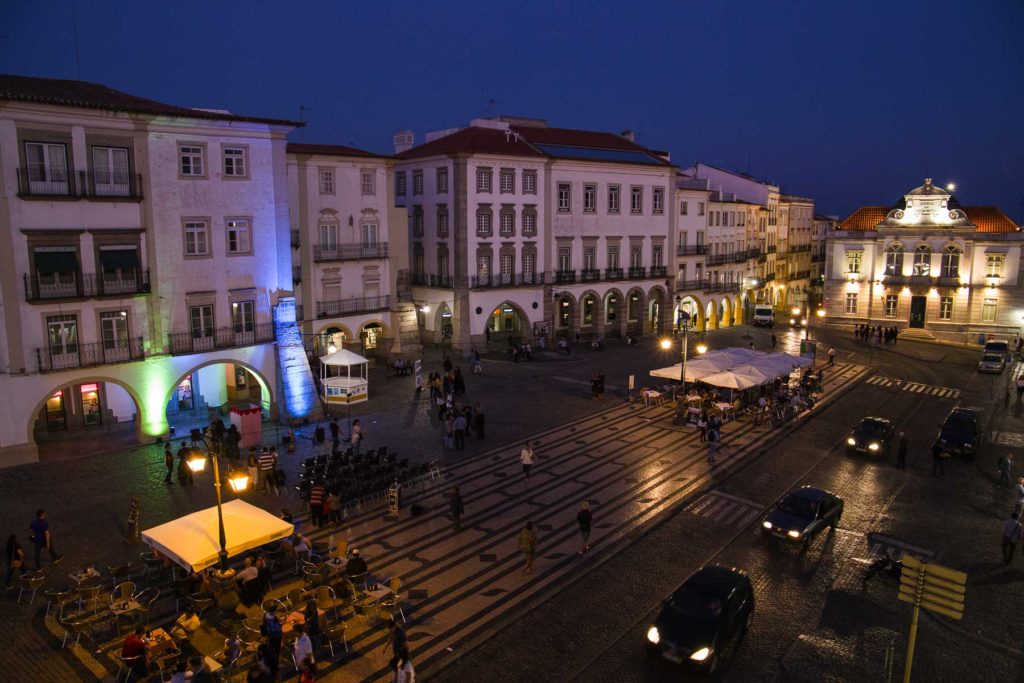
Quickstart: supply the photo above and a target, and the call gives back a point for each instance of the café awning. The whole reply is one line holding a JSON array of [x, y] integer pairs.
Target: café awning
[[193, 541]]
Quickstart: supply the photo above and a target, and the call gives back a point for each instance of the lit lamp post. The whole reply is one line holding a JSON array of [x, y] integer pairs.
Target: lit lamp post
[[820, 315], [683, 321]]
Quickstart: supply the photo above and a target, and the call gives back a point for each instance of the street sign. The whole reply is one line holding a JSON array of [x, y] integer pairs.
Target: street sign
[[936, 588]]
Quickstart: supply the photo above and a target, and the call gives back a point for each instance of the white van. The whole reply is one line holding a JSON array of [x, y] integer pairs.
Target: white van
[[764, 315]]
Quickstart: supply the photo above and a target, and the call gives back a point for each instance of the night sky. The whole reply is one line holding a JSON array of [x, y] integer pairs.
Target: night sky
[[850, 102]]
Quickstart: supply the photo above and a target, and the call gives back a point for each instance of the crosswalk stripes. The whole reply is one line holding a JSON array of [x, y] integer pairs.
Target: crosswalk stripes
[[726, 509], [914, 387]]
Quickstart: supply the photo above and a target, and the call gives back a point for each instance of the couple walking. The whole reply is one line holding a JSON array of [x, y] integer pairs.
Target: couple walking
[[528, 536]]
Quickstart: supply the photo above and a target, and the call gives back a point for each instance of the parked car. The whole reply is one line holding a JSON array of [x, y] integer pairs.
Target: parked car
[[702, 618], [872, 436], [961, 433], [999, 347], [992, 362], [802, 513]]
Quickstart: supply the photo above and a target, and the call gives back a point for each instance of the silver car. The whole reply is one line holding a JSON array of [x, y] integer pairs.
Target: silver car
[[992, 362]]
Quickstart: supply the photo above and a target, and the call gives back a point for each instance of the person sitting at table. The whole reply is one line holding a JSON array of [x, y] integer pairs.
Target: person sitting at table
[[356, 568], [311, 615], [303, 646], [181, 672], [134, 654], [302, 546], [248, 580], [264, 575], [232, 649], [186, 624]]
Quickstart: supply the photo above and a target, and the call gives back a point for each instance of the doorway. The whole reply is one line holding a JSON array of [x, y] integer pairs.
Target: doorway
[[917, 307]]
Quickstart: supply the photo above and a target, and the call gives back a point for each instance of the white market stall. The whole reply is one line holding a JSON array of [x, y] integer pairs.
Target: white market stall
[[193, 542], [342, 387]]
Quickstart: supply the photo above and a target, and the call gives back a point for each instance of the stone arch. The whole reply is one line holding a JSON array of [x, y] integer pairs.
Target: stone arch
[[712, 315], [635, 310], [374, 339], [444, 326], [613, 311], [329, 334], [565, 314], [737, 311], [589, 312], [141, 416], [725, 312], [658, 309], [266, 402], [692, 305], [498, 320]]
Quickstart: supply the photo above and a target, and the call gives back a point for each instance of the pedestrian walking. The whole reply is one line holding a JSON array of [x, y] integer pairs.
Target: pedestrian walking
[[901, 452], [460, 432], [15, 555], [528, 545], [702, 425], [526, 458], [774, 340], [267, 462], [713, 438], [831, 356], [479, 423], [938, 459], [1011, 537], [39, 534], [168, 462], [357, 437], [583, 520], [457, 508], [1005, 467], [335, 435], [184, 471]]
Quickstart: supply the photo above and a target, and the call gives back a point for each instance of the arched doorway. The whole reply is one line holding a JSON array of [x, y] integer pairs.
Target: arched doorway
[[444, 327], [635, 312], [712, 315], [210, 390], [507, 321], [331, 335], [614, 307], [66, 417], [656, 310], [725, 312], [590, 313], [691, 305], [374, 341], [737, 311], [565, 319]]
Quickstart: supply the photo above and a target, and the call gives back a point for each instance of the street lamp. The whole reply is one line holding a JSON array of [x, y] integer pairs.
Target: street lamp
[[683, 321], [239, 482], [820, 314]]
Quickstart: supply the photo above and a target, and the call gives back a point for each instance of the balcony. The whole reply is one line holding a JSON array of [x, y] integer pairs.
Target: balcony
[[73, 285], [209, 339], [296, 239], [817, 258], [921, 281], [563, 276], [590, 275], [71, 356], [721, 286], [613, 273], [799, 248], [430, 280], [769, 277], [340, 307], [692, 250], [689, 285], [732, 257], [512, 280], [296, 274], [637, 273], [102, 186], [349, 252], [658, 271], [770, 249]]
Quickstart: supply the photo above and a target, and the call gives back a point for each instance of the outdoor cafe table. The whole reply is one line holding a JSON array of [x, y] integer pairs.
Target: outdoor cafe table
[[122, 607], [336, 565], [297, 618], [83, 575], [378, 593], [159, 641]]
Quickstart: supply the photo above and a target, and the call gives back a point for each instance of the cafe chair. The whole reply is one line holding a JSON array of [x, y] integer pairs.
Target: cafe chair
[[146, 600], [393, 603], [154, 566], [327, 600], [58, 599], [119, 574], [88, 596], [123, 591], [127, 665], [335, 634], [200, 604], [296, 599], [182, 593], [31, 583], [274, 605], [341, 548], [77, 625]]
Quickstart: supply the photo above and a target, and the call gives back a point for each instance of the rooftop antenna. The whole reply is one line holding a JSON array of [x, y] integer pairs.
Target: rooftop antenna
[[74, 30], [492, 107], [302, 117]]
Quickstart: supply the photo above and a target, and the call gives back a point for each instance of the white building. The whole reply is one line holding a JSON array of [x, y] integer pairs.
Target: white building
[[521, 230], [927, 265], [143, 247]]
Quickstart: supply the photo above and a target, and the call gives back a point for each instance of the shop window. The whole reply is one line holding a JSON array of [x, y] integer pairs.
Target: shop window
[[91, 413]]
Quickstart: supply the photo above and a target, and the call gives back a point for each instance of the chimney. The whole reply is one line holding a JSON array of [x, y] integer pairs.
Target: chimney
[[404, 139], [629, 135]]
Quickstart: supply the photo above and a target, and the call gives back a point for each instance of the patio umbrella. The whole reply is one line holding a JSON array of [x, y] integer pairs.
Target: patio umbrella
[[760, 375], [730, 380], [692, 373]]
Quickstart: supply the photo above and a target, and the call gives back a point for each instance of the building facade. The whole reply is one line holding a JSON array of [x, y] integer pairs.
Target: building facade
[[927, 265]]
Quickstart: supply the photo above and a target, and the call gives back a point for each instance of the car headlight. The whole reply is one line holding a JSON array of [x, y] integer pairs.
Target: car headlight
[[792, 321], [851, 441], [766, 524], [873, 447], [701, 654], [793, 533], [653, 636]]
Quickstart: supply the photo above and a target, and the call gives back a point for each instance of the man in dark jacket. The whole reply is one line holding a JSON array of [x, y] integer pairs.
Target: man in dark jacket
[[457, 508], [901, 451]]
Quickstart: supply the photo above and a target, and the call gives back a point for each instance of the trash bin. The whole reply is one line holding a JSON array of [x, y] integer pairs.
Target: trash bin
[[981, 339]]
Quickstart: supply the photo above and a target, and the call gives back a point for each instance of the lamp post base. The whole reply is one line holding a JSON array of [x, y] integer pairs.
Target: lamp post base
[[682, 413]]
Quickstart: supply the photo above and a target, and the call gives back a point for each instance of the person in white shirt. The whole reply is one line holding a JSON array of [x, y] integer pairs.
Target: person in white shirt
[[526, 457], [249, 573], [405, 673], [303, 645]]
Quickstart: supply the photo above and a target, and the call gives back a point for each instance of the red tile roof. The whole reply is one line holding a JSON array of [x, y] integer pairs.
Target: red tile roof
[[473, 140], [85, 95], [577, 138], [332, 150], [987, 218]]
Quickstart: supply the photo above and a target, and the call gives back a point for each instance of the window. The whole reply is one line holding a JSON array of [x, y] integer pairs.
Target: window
[[564, 258], [327, 182], [235, 163], [853, 259], [891, 305], [700, 208], [483, 265], [328, 235], [529, 182], [613, 256], [589, 198], [442, 221], [563, 197], [988, 311], [367, 183], [529, 223], [636, 199], [110, 171], [442, 264], [613, 199], [946, 308], [62, 334], [851, 303], [201, 322], [994, 265], [442, 181], [508, 180], [196, 238], [239, 236], [951, 261], [894, 259], [656, 255], [417, 182], [483, 223], [636, 256], [684, 208], [369, 234], [192, 163], [400, 183], [658, 200], [507, 266], [589, 258], [483, 180], [922, 260], [47, 168], [417, 221], [529, 264], [507, 222], [243, 316], [114, 330]]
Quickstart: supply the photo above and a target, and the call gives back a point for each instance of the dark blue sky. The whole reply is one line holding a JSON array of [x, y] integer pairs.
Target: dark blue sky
[[850, 102]]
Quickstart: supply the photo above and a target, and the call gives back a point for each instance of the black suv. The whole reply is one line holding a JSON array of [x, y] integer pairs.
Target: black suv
[[961, 433]]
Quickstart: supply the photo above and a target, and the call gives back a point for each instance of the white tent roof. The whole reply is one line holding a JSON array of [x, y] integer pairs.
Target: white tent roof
[[193, 541], [753, 365], [731, 380], [343, 357]]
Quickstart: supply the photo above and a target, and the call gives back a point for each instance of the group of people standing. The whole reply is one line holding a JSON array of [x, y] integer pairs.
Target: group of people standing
[[876, 334]]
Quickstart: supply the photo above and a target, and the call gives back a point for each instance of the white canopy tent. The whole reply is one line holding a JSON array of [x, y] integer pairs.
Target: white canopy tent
[[731, 380], [344, 388], [193, 541], [749, 365]]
